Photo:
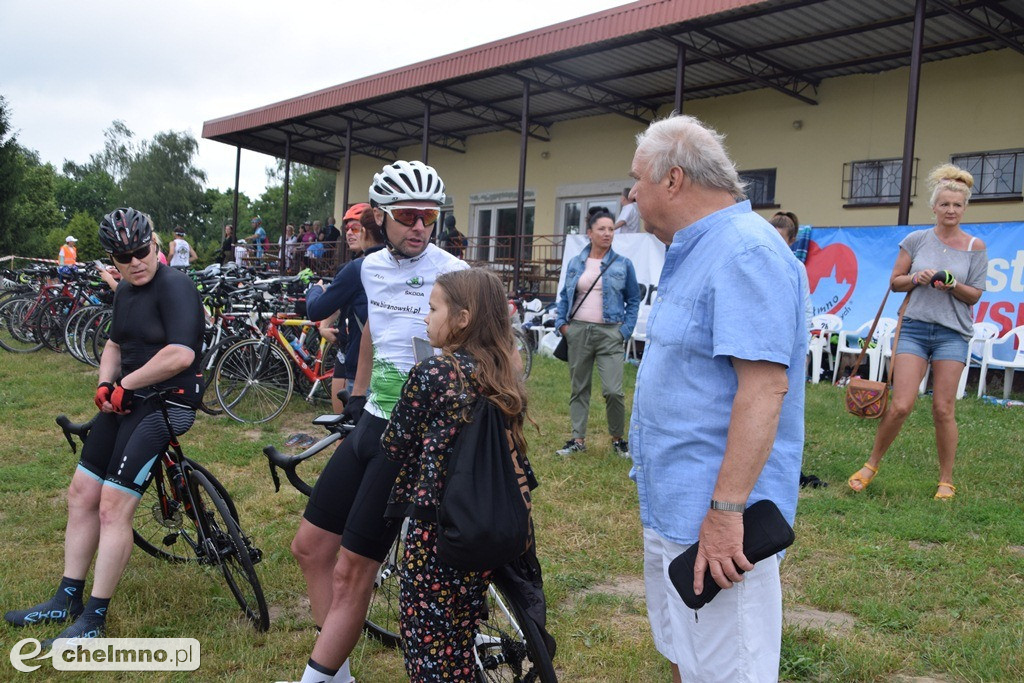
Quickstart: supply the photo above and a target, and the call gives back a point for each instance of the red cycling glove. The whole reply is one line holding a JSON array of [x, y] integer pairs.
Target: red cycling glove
[[121, 399], [103, 392]]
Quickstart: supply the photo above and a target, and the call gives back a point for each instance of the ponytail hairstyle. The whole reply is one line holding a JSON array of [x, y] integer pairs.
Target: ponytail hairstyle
[[488, 339], [369, 223], [950, 177]]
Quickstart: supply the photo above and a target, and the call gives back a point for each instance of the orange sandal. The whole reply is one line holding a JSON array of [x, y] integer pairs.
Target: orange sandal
[[863, 482], [945, 496]]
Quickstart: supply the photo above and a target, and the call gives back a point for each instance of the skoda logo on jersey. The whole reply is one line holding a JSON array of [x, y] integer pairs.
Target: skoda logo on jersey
[[415, 281]]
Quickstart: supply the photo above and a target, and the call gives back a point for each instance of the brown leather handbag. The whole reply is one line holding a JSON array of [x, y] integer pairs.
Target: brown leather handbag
[[867, 398]]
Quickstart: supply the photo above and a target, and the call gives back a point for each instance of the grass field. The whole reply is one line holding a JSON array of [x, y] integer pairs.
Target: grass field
[[903, 585]]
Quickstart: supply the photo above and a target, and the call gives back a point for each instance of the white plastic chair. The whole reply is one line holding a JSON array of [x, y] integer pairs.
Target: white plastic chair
[[1000, 357], [975, 350], [822, 327], [885, 328], [639, 333]]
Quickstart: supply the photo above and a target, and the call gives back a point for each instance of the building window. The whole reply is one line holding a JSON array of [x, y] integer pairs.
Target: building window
[[494, 232], [875, 181], [997, 175], [573, 211], [760, 187]]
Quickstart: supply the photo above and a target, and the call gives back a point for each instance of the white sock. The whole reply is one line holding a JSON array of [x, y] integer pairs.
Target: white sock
[[344, 674], [316, 675]]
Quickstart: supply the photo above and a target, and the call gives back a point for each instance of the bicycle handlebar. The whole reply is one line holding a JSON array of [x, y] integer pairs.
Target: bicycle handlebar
[[338, 430], [81, 430]]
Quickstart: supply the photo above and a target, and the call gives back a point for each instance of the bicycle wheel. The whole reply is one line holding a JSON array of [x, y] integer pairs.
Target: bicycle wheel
[[100, 332], [226, 547], [322, 395], [209, 363], [253, 381], [509, 646], [73, 330], [16, 334], [525, 351], [382, 615], [49, 322], [158, 525]]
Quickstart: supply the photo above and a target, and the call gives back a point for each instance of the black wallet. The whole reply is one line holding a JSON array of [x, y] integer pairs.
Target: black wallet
[[765, 533]]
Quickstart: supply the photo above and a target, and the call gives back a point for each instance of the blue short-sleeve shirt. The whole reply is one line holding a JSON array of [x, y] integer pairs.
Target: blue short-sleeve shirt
[[730, 288]]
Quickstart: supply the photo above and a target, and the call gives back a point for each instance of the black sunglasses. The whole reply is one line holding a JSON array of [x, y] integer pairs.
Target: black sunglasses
[[126, 258]]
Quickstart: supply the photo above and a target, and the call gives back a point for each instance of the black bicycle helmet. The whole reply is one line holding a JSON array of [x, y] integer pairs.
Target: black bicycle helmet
[[124, 230]]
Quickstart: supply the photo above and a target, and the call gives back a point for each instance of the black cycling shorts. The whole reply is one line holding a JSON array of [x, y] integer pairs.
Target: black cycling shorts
[[352, 492], [121, 449]]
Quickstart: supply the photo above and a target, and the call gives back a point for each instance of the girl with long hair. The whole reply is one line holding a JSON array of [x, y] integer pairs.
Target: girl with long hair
[[441, 606]]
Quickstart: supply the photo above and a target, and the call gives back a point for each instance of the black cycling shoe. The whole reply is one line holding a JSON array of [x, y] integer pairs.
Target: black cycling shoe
[[53, 611], [81, 629]]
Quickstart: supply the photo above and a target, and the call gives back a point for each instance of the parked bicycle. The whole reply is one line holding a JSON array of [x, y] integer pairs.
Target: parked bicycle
[[508, 646], [254, 379], [186, 515]]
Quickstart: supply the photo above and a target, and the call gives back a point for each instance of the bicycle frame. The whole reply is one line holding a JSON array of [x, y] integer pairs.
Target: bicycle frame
[[314, 373]]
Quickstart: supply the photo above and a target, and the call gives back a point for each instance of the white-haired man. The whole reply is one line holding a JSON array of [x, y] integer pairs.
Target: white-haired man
[[728, 328]]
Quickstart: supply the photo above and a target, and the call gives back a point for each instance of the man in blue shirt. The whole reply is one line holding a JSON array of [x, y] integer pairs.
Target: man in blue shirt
[[717, 418], [259, 236]]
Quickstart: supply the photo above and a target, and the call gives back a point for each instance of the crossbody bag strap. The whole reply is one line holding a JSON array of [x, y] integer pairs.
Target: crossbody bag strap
[[874, 324], [604, 268]]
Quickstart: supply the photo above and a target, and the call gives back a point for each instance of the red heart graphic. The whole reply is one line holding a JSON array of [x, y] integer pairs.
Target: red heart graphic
[[834, 261]]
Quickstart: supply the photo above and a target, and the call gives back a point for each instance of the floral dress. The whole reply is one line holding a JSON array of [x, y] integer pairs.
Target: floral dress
[[440, 606]]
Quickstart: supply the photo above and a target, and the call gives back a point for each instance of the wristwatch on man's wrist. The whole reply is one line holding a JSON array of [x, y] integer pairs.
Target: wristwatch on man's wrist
[[727, 507]]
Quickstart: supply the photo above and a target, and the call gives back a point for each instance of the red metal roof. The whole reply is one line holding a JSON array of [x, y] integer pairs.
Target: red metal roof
[[612, 23]]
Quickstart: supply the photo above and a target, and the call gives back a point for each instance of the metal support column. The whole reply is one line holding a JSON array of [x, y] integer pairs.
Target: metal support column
[[348, 164], [426, 133], [521, 194], [343, 252], [909, 132], [680, 73], [234, 210], [287, 186]]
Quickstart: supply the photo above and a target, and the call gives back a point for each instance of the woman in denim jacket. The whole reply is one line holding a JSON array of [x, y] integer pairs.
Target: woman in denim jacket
[[600, 323]]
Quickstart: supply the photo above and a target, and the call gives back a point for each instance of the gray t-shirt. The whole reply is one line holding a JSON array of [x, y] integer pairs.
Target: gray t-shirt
[[934, 305]]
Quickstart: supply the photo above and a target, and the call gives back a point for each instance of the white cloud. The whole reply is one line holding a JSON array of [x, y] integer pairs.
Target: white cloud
[[72, 67]]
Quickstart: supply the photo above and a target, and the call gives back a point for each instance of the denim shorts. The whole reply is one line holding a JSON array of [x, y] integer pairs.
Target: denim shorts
[[931, 341]]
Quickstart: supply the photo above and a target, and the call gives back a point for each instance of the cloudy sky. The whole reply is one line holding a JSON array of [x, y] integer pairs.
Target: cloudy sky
[[68, 68]]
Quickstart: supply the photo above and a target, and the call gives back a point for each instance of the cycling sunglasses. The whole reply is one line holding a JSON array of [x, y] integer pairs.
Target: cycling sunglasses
[[124, 259], [408, 215]]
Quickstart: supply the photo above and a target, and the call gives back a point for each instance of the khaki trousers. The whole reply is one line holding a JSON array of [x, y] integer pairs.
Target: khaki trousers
[[603, 344]]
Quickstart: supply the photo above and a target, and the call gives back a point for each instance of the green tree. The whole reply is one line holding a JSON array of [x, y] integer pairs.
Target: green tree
[[310, 197], [118, 151], [163, 181], [35, 211], [86, 188], [11, 171], [85, 229]]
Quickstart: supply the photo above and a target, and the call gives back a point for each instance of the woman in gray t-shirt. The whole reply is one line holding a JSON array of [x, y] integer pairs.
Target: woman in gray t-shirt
[[943, 269]]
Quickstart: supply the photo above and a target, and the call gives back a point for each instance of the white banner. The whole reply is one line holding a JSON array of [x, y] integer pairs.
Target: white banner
[[646, 253]]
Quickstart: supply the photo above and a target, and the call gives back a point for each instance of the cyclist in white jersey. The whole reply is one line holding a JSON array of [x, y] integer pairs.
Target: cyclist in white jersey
[[347, 504]]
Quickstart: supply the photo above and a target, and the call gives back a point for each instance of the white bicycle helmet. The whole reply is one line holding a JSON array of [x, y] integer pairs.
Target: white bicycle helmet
[[405, 181]]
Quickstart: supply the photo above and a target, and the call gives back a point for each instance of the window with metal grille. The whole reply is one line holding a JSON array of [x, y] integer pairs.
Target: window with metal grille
[[997, 175], [760, 187], [875, 181]]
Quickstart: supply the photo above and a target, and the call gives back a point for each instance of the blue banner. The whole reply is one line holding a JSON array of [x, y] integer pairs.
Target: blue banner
[[849, 269]]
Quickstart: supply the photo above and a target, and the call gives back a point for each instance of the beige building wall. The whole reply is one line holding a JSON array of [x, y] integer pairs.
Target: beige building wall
[[969, 104]]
